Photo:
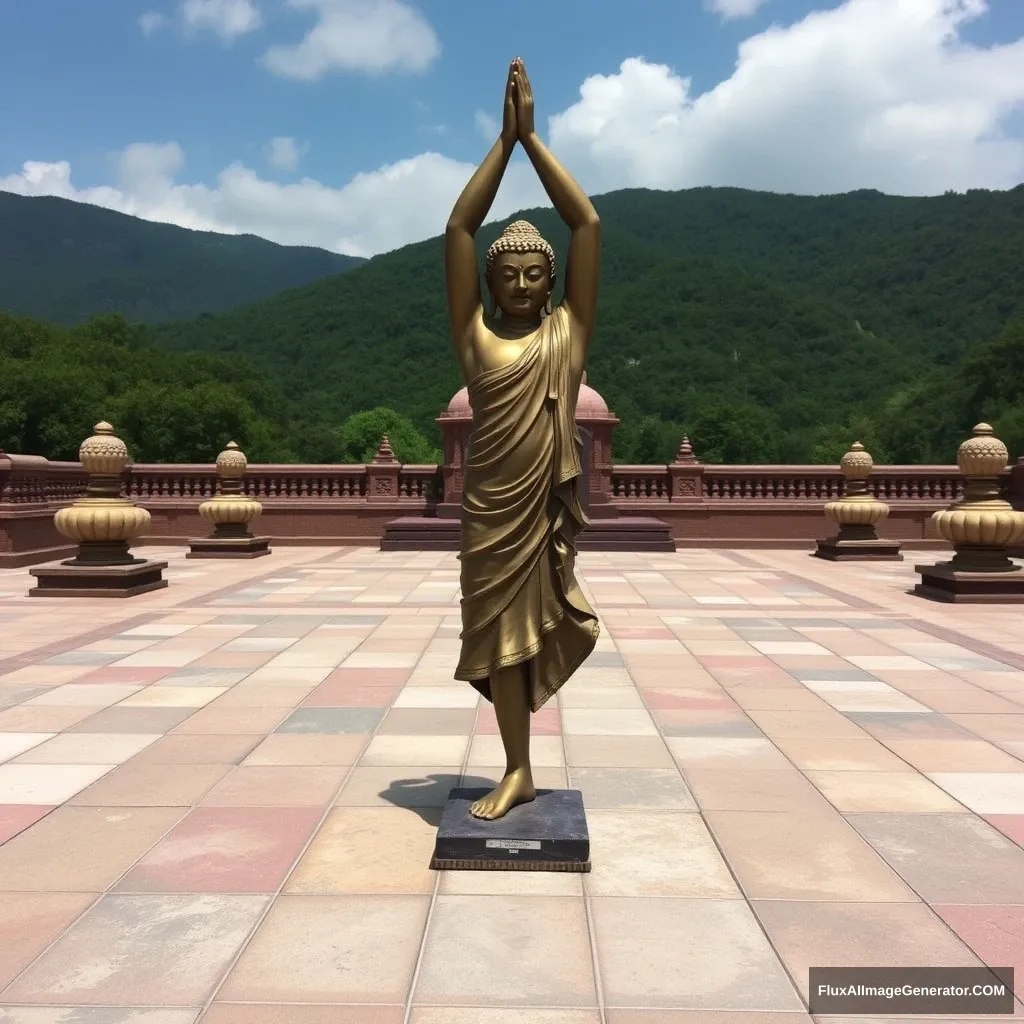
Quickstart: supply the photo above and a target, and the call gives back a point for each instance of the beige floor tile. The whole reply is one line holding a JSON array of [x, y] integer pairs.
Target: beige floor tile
[[507, 951], [711, 954], [331, 949], [727, 789], [299, 1013], [152, 785], [814, 855], [132, 950], [655, 853], [415, 750], [369, 850], [618, 752], [883, 791], [89, 748]]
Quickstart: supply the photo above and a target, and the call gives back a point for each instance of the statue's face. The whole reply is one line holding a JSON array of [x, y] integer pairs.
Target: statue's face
[[521, 283]]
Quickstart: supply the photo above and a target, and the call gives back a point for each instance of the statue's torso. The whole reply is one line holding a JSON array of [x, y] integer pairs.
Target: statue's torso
[[488, 351]]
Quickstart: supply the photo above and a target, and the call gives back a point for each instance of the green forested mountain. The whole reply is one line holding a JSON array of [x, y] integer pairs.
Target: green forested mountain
[[770, 328], [64, 261]]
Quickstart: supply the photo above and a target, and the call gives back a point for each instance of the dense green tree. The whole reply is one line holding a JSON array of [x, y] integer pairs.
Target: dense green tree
[[55, 384], [740, 433], [359, 438]]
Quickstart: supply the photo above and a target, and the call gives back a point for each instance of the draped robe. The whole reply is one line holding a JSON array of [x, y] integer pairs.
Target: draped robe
[[521, 513]]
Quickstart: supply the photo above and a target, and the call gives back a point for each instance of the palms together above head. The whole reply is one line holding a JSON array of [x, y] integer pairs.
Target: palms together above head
[[523, 93], [509, 122]]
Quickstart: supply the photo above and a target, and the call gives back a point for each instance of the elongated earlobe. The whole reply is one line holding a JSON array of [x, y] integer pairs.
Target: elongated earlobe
[[547, 305]]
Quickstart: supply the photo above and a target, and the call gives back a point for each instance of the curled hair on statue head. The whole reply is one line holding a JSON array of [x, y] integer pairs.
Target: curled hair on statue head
[[521, 237]]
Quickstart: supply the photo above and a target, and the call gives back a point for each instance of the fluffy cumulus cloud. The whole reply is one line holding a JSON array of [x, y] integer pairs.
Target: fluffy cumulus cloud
[[371, 36], [729, 10], [871, 94], [376, 211], [879, 94], [228, 19]]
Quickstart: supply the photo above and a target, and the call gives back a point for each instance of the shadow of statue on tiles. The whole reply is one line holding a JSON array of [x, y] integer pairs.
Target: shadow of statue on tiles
[[427, 796]]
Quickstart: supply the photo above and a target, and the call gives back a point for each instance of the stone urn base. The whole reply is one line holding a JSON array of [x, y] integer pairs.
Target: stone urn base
[[80, 579], [228, 547], [945, 582], [858, 549]]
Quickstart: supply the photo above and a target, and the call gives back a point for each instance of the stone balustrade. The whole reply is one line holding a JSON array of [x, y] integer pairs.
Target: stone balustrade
[[705, 505]]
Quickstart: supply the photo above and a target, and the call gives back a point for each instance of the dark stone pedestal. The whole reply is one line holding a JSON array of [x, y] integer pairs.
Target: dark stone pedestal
[[944, 582], [626, 533], [228, 547], [418, 533], [873, 549], [67, 579], [549, 834]]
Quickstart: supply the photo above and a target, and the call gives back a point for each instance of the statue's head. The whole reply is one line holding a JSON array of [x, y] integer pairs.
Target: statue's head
[[520, 271]]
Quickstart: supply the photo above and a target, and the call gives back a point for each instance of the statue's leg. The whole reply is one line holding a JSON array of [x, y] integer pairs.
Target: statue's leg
[[509, 695]]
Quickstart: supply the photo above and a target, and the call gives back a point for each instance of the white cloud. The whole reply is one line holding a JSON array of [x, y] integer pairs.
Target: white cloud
[[878, 94], [730, 10], [284, 153], [357, 35], [871, 94], [487, 125], [374, 212], [151, 22], [229, 19]]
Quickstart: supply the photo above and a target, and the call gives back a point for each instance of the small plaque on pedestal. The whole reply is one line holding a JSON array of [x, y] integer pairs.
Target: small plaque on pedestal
[[76, 579], [228, 547], [548, 834]]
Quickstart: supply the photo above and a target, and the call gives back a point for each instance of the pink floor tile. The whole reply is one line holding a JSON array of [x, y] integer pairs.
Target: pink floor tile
[[688, 700], [996, 934], [1011, 825], [15, 818], [225, 849]]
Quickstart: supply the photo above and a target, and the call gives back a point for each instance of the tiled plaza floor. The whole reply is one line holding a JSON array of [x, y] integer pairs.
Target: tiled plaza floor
[[218, 801]]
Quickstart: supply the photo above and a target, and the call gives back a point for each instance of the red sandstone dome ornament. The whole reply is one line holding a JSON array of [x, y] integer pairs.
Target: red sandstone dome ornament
[[589, 406]]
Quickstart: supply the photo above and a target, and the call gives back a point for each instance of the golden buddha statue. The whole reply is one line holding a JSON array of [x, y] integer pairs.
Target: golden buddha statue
[[526, 624]]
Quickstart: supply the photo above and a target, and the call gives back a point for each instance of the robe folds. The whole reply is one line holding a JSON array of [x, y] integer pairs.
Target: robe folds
[[521, 514]]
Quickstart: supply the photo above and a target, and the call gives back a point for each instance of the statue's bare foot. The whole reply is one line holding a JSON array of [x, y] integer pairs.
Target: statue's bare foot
[[516, 788]]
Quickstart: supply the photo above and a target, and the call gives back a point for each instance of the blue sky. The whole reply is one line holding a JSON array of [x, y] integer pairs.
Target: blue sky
[[167, 108]]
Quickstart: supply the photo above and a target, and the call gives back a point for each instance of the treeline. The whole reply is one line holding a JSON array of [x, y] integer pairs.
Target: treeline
[[55, 383]]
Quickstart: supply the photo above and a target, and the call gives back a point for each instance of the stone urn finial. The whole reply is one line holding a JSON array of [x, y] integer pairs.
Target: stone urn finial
[[103, 523], [857, 514], [384, 451], [230, 511], [231, 463], [981, 525], [685, 456]]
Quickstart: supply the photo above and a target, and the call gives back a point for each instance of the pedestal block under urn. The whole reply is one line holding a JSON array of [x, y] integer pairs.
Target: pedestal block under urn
[[230, 511], [103, 523], [981, 527], [857, 514]]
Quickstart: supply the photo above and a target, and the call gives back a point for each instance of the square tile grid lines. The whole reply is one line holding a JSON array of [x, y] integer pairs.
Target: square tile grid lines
[[218, 801]]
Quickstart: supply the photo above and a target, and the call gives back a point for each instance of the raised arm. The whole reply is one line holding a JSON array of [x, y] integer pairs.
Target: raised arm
[[461, 270], [583, 266]]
